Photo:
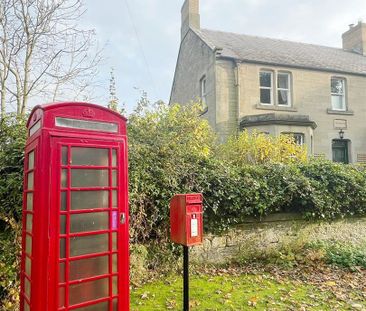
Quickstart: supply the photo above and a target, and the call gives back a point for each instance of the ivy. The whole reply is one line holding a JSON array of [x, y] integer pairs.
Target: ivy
[[12, 141]]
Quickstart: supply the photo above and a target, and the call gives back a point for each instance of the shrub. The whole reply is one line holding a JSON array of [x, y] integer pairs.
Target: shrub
[[318, 190], [12, 140], [337, 190], [259, 148], [167, 146], [341, 254]]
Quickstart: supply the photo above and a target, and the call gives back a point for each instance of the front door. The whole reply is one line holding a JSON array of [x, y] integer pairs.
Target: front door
[[92, 239], [340, 151]]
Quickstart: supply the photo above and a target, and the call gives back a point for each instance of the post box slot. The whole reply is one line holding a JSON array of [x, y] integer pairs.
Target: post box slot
[[197, 208]]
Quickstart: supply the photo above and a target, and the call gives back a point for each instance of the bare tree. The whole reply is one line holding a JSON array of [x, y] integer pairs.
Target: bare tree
[[44, 52], [113, 99], [113, 102]]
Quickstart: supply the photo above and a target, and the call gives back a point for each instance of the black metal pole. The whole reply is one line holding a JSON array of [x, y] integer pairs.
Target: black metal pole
[[185, 279]]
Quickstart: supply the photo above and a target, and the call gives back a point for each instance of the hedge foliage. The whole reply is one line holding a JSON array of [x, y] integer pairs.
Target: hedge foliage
[[172, 150], [12, 140], [259, 148], [317, 189]]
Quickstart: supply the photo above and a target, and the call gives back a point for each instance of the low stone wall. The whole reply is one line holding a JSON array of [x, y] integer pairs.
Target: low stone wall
[[275, 233]]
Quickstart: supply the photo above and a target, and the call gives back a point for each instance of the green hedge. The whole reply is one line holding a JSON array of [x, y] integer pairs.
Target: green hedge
[[318, 189], [173, 151], [12, 140]]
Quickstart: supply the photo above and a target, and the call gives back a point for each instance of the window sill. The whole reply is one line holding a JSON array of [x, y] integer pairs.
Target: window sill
[[341, 112], [275, 108]]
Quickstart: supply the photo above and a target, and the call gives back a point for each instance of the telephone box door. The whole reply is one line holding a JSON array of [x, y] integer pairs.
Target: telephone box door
[[91, 226]]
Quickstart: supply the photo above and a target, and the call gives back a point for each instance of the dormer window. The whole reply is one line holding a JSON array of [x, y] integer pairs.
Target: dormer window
[[338, 93]]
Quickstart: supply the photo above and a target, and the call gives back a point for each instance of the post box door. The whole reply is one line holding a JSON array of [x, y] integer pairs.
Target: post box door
[[194, 228], [92, 234]]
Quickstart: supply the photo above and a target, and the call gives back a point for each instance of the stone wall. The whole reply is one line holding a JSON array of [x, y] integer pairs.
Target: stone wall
[[275, 233]]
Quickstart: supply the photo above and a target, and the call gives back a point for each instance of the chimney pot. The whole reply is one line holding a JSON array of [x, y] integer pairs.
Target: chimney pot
[[354, 40]]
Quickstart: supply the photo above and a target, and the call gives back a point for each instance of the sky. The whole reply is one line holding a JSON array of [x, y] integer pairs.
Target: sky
[[141, 37]]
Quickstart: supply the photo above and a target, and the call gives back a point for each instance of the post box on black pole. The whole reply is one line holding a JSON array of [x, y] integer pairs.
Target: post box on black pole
[[186, 228]]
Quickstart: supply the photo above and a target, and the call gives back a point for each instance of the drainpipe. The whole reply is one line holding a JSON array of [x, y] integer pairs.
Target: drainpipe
[[237, 85]]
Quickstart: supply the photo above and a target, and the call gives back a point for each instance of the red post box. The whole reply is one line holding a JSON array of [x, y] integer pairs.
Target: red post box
[[186, 222], [75, 213]]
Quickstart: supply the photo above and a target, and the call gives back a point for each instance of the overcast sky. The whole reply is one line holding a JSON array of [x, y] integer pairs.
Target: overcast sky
[[141, 37]]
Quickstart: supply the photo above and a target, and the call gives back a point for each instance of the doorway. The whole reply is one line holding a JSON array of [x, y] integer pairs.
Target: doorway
[[340, 151]]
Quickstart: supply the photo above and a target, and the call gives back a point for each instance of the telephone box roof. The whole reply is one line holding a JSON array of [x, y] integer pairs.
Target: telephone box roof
[[50, 106]]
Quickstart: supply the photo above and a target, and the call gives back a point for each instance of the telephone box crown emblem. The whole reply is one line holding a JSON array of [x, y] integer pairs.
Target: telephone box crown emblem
[[88, 113]]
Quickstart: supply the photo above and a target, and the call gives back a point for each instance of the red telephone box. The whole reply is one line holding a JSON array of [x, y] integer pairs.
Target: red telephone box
[[75, 213], [186, 224]]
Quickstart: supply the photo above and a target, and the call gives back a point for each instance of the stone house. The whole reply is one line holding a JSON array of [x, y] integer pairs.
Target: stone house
[[315, 93]]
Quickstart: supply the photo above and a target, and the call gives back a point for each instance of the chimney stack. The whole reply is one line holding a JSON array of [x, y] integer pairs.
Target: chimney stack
[[354, 40], [190, 16]]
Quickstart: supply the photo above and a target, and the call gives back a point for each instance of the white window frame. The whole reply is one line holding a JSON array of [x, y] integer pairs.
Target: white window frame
[[266, 87], [288, 90], [203, 90], [300, 142], [342, 95]]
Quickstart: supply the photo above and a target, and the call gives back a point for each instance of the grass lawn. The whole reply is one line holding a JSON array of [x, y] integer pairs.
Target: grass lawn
[[240, 292]]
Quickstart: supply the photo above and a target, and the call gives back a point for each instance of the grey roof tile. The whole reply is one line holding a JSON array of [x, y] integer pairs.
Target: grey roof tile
[[285, 53]]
